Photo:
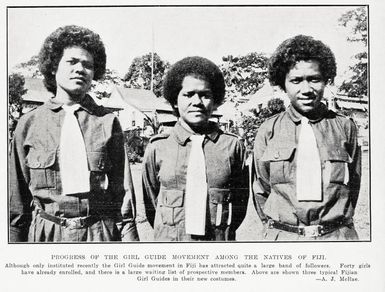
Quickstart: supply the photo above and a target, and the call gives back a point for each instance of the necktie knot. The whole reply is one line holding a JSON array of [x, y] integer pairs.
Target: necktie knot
[[304, 121], [197, 139], [71, 109]]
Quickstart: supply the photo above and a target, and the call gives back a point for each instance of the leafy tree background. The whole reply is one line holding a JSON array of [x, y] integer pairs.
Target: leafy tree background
[[357, 22], [244, 75], [139, 73], [16, 90]]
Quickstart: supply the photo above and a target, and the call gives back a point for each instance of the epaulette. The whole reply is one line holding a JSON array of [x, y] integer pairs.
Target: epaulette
[[159, 137], [232, 134]]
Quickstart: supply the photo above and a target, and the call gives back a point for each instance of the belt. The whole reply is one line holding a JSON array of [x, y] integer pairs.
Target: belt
[[71, 223], [310, 230]]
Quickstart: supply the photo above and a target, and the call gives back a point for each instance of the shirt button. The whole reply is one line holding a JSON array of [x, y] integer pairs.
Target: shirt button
[[276, 155]]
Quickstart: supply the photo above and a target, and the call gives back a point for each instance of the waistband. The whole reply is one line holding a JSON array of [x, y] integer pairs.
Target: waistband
[[310, 230], [71, 223]]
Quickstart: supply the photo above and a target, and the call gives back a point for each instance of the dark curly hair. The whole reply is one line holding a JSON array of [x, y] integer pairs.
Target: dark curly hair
[[197, 67], [301, 48], [68, 36]]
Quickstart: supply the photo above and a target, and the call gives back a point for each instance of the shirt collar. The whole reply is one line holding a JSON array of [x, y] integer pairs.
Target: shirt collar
[[181, 134], [87, 103], [295, 116]]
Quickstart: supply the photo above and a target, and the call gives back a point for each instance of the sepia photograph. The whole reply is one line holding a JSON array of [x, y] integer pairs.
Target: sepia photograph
[[127, 168], [174, 146]]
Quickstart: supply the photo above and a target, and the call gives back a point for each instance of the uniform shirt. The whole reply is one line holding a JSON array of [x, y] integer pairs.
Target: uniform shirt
[[275, 163], [164, 181], [35, 171]]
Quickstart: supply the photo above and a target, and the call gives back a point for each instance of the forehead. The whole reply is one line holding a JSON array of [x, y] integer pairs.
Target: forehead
[[194, 83], [302, 67], [77, 53]]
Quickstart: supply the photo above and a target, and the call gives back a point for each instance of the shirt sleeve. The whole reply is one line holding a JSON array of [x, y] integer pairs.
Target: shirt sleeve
[[239, 185], [150, 183], [355, 166], [20, 197], [122, 196], [260, 173], [129, 231]]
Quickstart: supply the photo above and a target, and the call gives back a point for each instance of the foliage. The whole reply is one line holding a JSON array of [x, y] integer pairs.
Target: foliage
[[15, 92], [244, 75], [139, 73], [29, 68], [251, 124], [356, 21], [103, 87], [134, 145]]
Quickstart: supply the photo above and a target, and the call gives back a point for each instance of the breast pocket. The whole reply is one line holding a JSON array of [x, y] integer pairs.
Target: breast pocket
[[280, 161], [336, 167], [171, 206], [220, 207], [42, 169]]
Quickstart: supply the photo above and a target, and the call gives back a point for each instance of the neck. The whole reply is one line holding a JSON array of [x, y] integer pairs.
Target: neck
[[200, 130], [313, 115], [66, 98]]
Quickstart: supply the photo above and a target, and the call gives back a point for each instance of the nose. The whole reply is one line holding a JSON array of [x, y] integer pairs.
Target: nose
[[306, 87], [196, 99], [79, 67]]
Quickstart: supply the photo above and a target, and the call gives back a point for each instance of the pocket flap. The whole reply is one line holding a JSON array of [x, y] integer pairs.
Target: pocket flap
[[98, 161], [220, 196], [40, 159], [338, 154], [172, 198], [277, 154]]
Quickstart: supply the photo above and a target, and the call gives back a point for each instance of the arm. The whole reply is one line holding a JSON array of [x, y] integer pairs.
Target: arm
[[20, 196], [129, 231], [355, 166], [120, 196], [260, 173], [239, 186], [150, 183]]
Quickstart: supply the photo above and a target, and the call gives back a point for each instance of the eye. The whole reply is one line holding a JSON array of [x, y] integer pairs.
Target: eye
[[88, 65], [189, 94], [295, 81], [315, 79]]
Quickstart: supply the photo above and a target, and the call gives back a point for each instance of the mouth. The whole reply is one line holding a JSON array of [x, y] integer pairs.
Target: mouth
[[197, 112], [306, 100], [82, 79]]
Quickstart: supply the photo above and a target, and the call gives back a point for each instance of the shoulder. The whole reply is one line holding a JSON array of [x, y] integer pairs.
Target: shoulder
[[347, 123], [39, 111], [231, 140], [268, 125], [156, 145]]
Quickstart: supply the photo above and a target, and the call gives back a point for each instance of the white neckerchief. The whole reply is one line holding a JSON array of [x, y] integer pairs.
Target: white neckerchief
[[196, 188], [74, 172], [309, 180]]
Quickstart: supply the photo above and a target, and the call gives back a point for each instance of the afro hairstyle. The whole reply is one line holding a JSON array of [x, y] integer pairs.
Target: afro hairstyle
[[301, 48], [198, 67], [65, 37]]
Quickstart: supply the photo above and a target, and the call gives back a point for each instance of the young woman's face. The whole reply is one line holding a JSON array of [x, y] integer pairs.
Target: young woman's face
[[195, 102], [75, 71], [305, 86]]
